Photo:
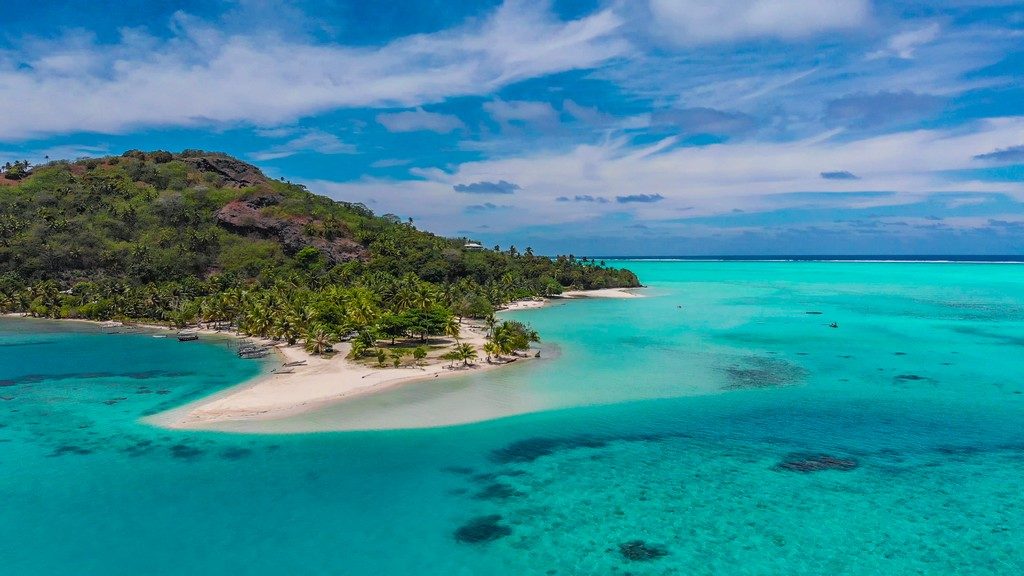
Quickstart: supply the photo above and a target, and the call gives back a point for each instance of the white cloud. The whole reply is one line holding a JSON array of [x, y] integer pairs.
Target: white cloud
[[786, 87], [691, 22], [202, 75], [419, 119], [904, 44], [521, 111], [695, 181], [312, 141], [390, 163]]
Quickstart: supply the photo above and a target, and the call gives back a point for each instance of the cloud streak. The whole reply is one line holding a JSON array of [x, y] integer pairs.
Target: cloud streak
[[692, 22], [313, 141], [1009, 154], [705, 180], [202, 75], [419, 119], [583, 198], [839, 175], [484, 187], [639, 198]]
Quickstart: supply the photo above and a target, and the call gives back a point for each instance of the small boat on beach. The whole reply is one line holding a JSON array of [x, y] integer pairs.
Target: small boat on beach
[[248, 351]]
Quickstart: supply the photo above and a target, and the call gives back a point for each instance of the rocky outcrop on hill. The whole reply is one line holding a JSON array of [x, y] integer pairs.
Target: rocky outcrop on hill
[[235, 173], [246, 217]]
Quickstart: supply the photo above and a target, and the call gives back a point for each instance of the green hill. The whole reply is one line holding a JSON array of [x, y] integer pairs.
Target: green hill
[[201, 236]]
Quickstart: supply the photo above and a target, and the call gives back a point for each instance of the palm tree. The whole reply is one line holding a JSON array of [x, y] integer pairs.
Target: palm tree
[[452, 328], [319, 340], [490, 321], [465, 352], [424, 296], [405, 299], [287, 329], [7, 302], [258, 320], [492, 349], [358, 349], [361, 308], [451, 356]]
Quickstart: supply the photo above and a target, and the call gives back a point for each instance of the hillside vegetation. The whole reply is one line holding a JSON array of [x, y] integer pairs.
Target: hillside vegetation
[[201, 236]]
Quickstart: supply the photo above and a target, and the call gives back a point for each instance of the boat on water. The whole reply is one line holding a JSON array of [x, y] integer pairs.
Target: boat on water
[[188, 336]]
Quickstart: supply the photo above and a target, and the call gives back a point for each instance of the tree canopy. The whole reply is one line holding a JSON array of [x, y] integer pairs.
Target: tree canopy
[[199, 236]]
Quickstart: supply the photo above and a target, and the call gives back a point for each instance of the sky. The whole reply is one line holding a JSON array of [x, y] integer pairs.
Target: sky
[[596, 127]]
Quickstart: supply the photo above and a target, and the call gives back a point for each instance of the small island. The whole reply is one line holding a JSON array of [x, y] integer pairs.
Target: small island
[[352, 301]]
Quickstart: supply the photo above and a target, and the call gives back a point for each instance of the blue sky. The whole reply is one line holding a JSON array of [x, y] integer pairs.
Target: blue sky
[[615, 127]]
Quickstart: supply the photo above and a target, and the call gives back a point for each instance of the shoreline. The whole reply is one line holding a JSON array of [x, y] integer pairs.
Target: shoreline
[[318, 383], [600, 293], [323, 381]]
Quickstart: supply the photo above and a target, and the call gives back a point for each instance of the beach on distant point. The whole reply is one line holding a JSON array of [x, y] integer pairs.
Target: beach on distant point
[[320, 381]]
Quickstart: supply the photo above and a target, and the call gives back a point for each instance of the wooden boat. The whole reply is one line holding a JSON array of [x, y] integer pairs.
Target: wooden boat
[[188, 336]]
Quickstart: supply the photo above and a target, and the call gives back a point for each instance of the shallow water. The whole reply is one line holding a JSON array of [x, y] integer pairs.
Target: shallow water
[[717, 421]]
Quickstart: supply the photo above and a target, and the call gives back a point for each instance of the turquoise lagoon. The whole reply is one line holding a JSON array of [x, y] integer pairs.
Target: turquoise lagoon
[[693, 420]]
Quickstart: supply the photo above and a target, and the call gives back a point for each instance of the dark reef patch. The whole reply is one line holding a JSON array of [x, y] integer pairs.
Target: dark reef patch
[[533, 448], [758, 372], [36, 378], [69, 449], [904, 378], [805, 463], [1008, 339], [30, 343], [113, 401], [497, 491], [640, 551], [482, 529], [185, 452], [492, 476], [139, 448], [235, 453]]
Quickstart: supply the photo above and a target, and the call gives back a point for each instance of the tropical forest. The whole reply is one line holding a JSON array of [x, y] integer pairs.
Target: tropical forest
[[200, 237]]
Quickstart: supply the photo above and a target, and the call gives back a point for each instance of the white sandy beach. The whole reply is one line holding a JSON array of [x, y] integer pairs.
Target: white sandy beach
[[324, 381], [602, 293], [321, 381], [318, 382], [572, 295]]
